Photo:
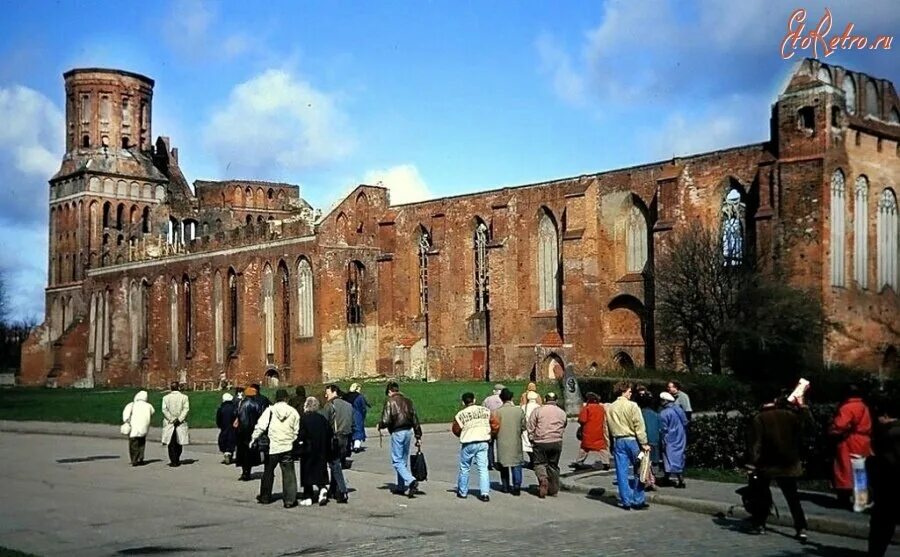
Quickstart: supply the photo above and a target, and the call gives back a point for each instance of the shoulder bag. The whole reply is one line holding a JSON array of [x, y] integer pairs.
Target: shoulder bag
[[125, 429]]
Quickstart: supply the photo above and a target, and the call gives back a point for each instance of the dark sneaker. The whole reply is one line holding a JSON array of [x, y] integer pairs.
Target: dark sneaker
[[641, 507], [484, 498], [290, 505], [342, 499], [262, 500], [516, 492], [542, 489], [461, 496], [801, 536], [413, 489]]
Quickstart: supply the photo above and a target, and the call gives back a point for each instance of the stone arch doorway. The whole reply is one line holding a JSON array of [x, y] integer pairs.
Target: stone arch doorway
[[623, 360], [552, 368], [273, 378]]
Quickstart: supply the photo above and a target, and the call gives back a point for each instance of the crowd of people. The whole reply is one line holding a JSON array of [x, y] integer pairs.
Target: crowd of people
[[503, 435]]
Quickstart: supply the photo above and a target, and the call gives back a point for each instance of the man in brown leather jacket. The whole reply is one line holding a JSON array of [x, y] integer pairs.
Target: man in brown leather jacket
[[399, 417]]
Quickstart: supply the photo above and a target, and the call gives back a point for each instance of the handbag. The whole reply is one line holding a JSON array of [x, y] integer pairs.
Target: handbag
[[263, 442], [579, 433], [125, 429], [417, 465]]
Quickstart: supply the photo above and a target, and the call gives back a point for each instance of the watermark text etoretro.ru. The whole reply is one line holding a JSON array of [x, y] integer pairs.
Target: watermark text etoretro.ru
[[799, 38]]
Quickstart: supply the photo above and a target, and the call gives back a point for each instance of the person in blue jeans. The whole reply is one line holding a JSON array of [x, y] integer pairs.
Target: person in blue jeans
[[475, 426], [629, 439], [398, 416]]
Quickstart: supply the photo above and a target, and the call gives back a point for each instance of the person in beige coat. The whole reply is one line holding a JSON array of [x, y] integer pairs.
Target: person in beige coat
[[175, 408]]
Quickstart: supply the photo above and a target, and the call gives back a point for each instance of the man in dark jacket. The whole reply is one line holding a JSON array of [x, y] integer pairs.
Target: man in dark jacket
[[299, 399], [777, 438], [340, 417], [249, 411], [399, 417], [884, 480]]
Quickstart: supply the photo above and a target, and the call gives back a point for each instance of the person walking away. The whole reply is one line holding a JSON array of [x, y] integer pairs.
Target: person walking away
[[493, 403], [681, 398], [175, 408], [340, 417], [629, 438], [314, 444], [474, 425], [299, 399], [510, 456], [646, 402], [852, 429], [776, 438], [529, 389], [546, 427], [249, 411], [398, 416], [360, 408], [225, 417], [673, 433], [137, 415], [592, 422], [528, 408], [281, 423], [883, 478]]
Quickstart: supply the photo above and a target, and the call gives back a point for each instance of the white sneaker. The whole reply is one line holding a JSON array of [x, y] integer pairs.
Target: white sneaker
[[306, 503], [323, 496]]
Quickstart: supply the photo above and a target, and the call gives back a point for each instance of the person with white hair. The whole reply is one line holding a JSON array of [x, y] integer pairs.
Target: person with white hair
[[315, 444], [360, 408], [533, 401], [136, 425], [673, 436], [225, 417]]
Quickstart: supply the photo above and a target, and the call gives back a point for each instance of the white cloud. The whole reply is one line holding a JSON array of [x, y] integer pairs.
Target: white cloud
[[557, 64], [404, 182], [275, 123], [32, 140], [33, 130], [190, 28]]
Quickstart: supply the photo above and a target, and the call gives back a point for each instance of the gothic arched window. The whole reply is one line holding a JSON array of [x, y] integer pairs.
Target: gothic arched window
[[268, 294], [305, 298], [548, 263], [861, 232], [849, 88], [481, 267], [733, 227], [188, 314], [355, 276], [887, 240], [423, 246], [635, 240], [232, 311], [218, 318], [838, 205]]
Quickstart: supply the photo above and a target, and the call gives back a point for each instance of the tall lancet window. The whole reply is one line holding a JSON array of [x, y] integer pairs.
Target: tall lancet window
[[838, 204], [268, 295], [423, 247], [173, 322], [548, 263], [733, 227], [305, 298], [887, 240], [355, 277], [481, 267], [635, 240], [861, 233]]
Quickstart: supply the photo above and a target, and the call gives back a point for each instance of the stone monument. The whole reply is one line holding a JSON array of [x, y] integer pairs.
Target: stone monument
[[571, 391]]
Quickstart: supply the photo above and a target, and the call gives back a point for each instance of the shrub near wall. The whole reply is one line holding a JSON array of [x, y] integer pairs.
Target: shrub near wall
[[707, 392]]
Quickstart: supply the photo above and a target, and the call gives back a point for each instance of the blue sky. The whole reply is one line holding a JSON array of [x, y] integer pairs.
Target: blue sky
[[431, 98]]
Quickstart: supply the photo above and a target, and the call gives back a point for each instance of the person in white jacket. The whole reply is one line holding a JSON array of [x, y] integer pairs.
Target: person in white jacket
[[533, 401], [136, 421], [175, 408], [281, 424]]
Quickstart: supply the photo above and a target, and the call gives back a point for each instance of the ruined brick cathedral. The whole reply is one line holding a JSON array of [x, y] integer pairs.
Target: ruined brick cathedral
[[152, 281]]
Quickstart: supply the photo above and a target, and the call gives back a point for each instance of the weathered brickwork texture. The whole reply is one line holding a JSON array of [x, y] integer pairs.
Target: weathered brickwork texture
[[152, 281]]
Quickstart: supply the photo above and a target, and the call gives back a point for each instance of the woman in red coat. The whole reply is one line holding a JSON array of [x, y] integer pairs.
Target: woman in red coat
[[593, 433], [852, 426]]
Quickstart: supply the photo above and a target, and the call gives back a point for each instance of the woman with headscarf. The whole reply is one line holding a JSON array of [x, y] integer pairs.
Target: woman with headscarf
[[225, 416], [137, 415], [248, 413], [645, 400], [315, 444], [592, 421], [532, 401], [531, 388], [852, 429], [360, 407], [673, 434]]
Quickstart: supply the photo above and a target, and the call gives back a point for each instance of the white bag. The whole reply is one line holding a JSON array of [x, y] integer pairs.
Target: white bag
[[860, 484], [125, 429]]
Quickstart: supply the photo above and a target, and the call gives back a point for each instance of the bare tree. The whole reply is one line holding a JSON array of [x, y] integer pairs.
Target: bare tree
[[715, 306]]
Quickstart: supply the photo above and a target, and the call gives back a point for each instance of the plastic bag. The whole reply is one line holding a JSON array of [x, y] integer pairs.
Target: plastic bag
[[861, 500], [644, 471]]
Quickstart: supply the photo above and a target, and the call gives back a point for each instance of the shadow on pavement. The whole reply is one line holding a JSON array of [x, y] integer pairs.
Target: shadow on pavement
[[811, 547], [75, 460]]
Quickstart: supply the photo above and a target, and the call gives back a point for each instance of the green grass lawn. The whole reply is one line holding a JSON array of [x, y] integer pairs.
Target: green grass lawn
[[5, 552], [737, 476], [435, 402]]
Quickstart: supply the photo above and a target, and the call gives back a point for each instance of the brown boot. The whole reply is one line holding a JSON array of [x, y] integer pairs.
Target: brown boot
[[542, 488]]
